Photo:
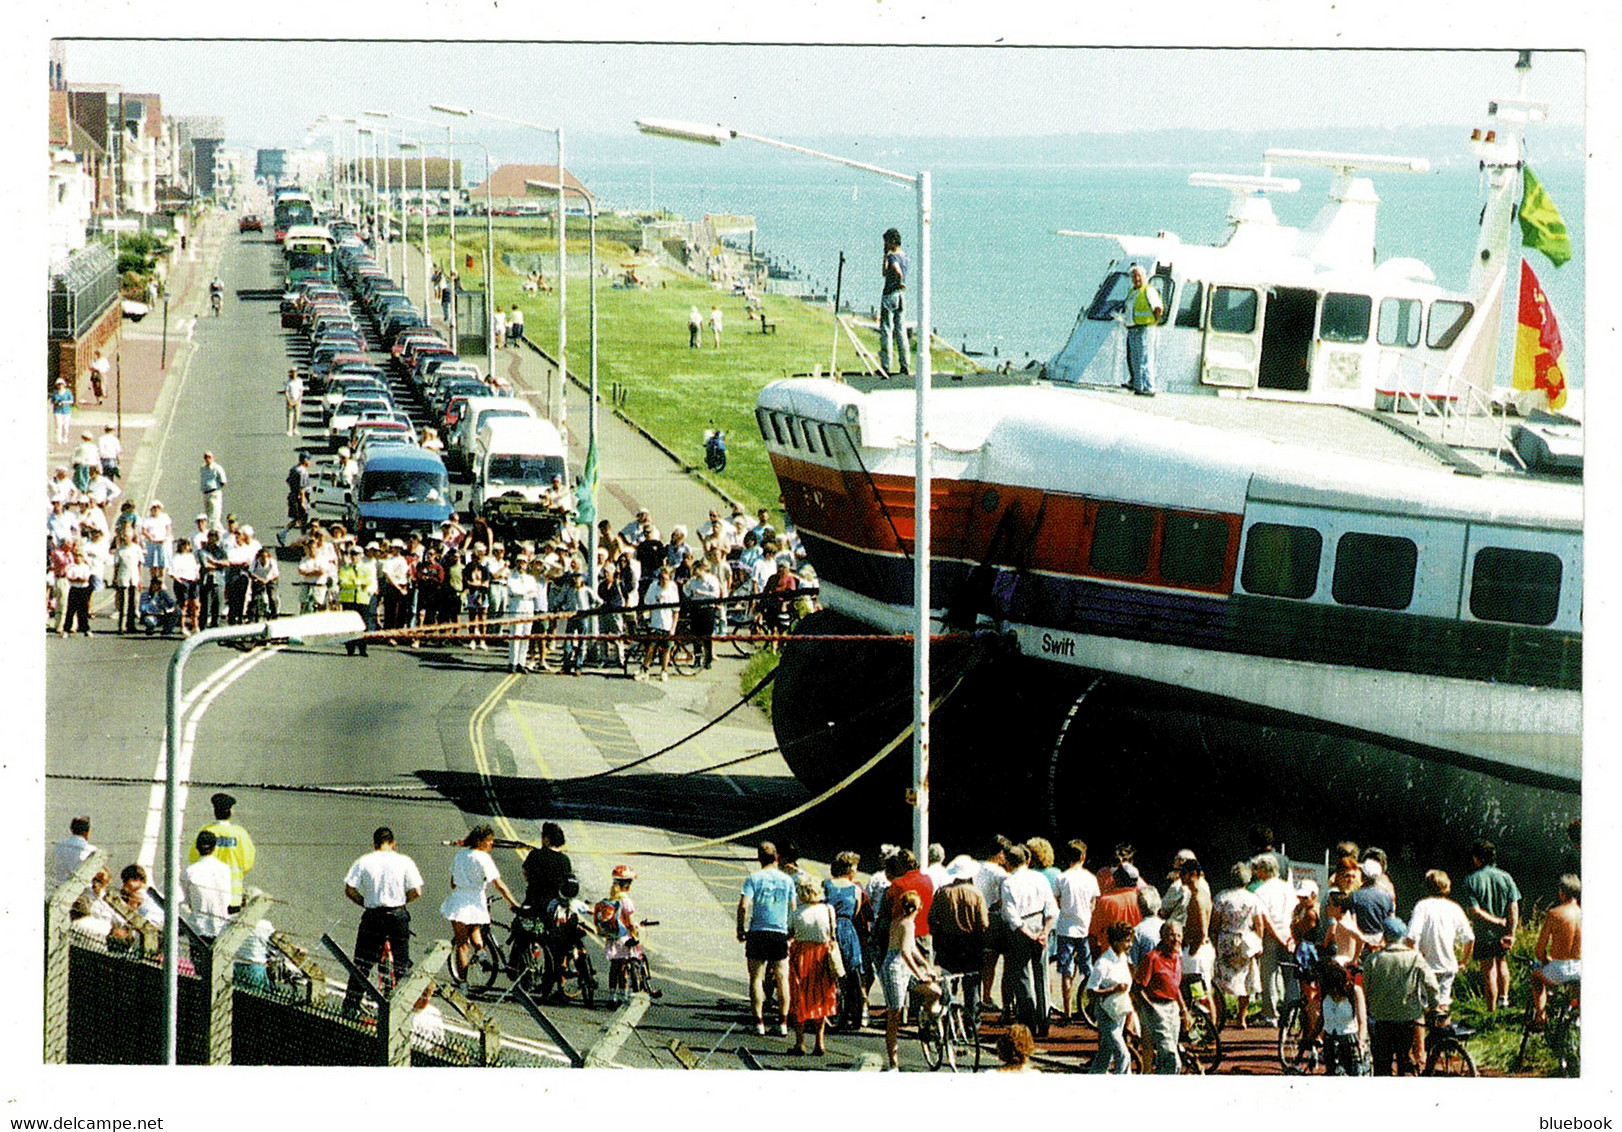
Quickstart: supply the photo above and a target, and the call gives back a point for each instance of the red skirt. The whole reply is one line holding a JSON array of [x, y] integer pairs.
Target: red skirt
[[812, 992]]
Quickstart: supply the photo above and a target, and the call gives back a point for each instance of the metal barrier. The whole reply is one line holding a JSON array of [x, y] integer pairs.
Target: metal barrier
[[252, 996]]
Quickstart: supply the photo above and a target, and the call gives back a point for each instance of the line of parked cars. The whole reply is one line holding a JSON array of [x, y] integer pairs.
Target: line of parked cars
[[518, 469]]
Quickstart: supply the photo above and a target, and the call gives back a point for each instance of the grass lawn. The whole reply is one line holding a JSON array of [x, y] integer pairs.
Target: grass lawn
[[675, 392]]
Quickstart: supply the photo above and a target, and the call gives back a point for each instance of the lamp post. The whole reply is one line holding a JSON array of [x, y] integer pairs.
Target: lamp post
[[372, 179], [422, 154], [590, 470], [489, 266], [718, 135], [423, 149], [388, 244], [557, 406], [295, 629]]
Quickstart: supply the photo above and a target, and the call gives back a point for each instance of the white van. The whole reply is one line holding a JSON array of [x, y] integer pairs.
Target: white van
[[464, 434], [514, 463]]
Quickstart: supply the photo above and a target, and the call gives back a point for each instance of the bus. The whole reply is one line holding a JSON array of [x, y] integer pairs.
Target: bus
[[307, 249], [292, 208]]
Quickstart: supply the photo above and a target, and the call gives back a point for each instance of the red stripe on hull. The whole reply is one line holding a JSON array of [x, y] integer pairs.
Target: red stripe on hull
[[999, 524]]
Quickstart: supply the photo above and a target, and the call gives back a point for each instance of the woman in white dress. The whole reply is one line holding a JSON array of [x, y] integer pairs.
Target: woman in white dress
[[467, 907]]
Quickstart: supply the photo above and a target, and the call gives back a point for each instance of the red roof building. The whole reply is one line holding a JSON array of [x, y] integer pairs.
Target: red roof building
[[509, 183]]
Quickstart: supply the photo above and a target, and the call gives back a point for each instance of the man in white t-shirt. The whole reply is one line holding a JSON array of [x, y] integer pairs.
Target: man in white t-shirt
[[1077, 892], [69, 853], [382, 882], [1441, 933], [205, 888]]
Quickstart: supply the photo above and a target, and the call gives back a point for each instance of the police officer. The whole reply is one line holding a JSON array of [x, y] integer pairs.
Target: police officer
[[232, 845]]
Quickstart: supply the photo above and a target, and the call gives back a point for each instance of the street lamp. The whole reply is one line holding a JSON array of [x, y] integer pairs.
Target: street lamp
[[372, 186], [293, 629], [717, 135], [422, 154], [589, 473], [449, 143], [557, 405]]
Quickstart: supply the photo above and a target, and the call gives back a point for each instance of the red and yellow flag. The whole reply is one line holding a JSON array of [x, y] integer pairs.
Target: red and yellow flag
[[1538, 349]]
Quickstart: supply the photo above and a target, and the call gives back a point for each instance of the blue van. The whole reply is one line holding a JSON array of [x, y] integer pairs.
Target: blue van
[[399, 492]]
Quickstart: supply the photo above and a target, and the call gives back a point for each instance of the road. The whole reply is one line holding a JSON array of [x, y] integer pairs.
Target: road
[[320, 748]]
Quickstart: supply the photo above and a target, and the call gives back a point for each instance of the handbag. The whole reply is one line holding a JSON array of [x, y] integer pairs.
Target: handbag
[[836, 958]]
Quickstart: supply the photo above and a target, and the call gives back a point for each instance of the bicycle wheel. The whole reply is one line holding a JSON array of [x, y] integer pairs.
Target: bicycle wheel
[[1447, 1057], [1204, 1039], [487, 963], [1565, 1042], [932, 1036], [531, 961], [587, 979], [684, 657], [1296, 1053], [570, 983]]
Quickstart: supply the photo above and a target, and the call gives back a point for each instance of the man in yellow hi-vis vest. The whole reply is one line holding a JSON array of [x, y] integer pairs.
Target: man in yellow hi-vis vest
[[1143, 309], [232, 845]]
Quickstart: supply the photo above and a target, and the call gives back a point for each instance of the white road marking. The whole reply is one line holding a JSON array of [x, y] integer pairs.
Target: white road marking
[[199, 698]]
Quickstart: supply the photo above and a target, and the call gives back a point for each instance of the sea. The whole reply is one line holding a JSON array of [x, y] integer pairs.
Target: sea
[[1005, 284]]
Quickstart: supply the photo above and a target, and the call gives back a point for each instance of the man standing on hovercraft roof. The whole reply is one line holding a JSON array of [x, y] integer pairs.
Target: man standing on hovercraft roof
[[1143, 309]]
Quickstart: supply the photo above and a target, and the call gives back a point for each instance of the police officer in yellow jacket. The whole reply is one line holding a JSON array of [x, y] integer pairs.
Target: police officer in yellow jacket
[[1143, 309], [231, 845]]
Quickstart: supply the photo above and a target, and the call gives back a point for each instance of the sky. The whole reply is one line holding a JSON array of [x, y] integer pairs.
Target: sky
[[270, 92]]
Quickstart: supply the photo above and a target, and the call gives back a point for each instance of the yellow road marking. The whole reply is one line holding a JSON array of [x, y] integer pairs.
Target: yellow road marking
[[481, 761]]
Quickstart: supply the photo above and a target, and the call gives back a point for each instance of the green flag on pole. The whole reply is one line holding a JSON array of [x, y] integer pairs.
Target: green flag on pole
[[585, 495], [1541, 225]]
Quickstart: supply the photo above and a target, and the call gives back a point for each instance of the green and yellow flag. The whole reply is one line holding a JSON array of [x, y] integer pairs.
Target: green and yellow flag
[[585, 493], [1541, 225]]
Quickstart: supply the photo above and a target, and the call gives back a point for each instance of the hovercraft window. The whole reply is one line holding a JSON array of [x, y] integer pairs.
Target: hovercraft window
[[1520, 586], [1345, 317], [1281, 560], [760, 419], [1193, 549], [1375, 570], [1111, 297], [1399, 322], [1121, 537], [1188, 305], [1448, 318], [1233, 310]]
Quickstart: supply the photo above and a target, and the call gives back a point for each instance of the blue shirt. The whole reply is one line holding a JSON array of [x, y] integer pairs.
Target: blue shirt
[[895, 271], [770, 893]]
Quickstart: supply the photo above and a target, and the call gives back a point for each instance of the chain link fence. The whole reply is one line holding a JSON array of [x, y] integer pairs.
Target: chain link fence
[[252, 996]]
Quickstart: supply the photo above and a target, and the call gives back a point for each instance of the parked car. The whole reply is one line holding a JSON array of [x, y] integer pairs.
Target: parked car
[[250, 223]]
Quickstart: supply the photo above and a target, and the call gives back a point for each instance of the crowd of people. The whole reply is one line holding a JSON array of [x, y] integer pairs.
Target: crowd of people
[[169, 581], [928, 932], [1142, 952]]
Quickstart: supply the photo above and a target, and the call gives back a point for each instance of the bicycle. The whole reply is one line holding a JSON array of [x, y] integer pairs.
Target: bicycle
[[1300, 1035], [638, 975], [1202, 1038], [1191, 1059], [641, 643], [486, 961], [570, 975], [944, 1032], [1562, 1029], [216, 302], [1445, 1052]]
